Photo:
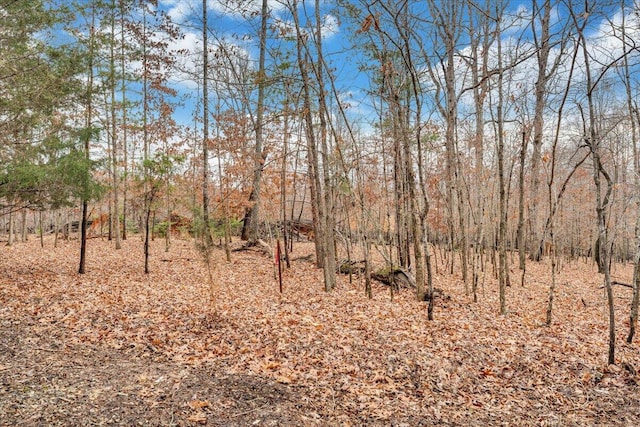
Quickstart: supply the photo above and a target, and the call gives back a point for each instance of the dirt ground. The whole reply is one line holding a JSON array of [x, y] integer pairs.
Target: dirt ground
[[45, 382], [116, 347]]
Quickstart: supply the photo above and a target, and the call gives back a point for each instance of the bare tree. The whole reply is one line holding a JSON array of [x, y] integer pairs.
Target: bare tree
[[207, 238], [328, 217], [634, 121], [540, 25], [402, 90], [593, 139], [503, 270], [447, 30], [250, 226], [481, 38], [320, 193]]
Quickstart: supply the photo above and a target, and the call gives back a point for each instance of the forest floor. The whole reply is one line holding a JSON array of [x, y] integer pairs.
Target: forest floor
[[117, 347]]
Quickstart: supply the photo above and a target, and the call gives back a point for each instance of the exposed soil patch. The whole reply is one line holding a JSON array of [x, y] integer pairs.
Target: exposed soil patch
[[44, 381]]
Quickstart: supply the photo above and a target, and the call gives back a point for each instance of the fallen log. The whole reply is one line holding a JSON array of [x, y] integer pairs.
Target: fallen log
[[308, 258], [615, 282], [259, 245], [351, 267], [394, 276]]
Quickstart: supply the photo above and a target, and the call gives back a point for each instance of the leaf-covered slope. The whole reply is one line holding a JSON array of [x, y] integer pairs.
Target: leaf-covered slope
[[348, 359]]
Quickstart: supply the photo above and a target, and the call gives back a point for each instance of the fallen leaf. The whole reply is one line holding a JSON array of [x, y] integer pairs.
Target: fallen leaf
[[199, 404], [200, 418]]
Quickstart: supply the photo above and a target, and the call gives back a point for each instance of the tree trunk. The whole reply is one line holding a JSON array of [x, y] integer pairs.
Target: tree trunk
[[317, 200], [24, 231], [329, 266], [56, 224], [114, 138], [206, 230], [634, 118], [124, 119], [544, 48], [224, 193], [522, 247], [250, 225], [481, 47], [147, 219], [593, 142], [502, 203], [87, 137], [283, 183], [41, 229], [11, 225]]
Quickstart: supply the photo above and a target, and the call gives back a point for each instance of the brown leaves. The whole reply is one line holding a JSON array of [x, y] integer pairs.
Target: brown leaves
[[200, 418], [199, 404], [380, 359], [369, 21]]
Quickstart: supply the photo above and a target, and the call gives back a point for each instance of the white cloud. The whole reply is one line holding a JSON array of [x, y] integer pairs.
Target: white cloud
[[228, 60], [286, 28], [183, 10], [330, 26], [180, 10], [516, 21], [606, 42]]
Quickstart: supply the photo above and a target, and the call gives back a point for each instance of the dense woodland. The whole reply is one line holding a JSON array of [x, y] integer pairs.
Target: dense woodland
[[489, 134]]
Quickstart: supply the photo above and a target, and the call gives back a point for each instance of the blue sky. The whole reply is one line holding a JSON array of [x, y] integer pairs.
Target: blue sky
[[235, 25]]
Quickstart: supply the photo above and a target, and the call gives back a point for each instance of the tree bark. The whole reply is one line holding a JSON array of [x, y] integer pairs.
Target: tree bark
[[87, 137], [328, 217], [502, 202], [317, 199], [250, 225], [123, 89], [114, 137], [634, 120], [206, 230], [602, 198], [521, 190], [543, 50]]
